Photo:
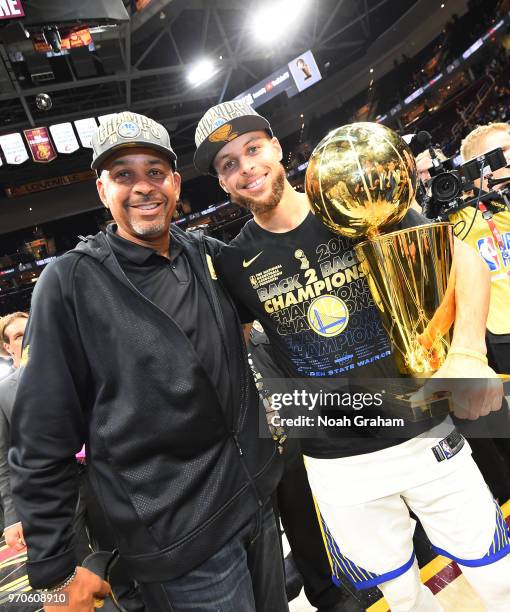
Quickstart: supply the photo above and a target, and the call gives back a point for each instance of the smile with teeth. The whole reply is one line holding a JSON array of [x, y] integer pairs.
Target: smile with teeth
[[256, 183], [148, 206]]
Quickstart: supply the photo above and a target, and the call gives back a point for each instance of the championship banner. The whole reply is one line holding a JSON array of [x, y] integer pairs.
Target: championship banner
[[11, 9], [14, 148], [64, 137], [85, 129], [51, 183], [40, 145]]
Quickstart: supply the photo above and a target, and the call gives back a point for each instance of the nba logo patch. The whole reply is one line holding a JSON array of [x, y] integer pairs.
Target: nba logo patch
[[506, 253], [489, 252], [445, 447]]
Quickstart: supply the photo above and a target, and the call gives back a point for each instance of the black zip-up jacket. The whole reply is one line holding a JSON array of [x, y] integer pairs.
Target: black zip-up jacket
[[176, 472]]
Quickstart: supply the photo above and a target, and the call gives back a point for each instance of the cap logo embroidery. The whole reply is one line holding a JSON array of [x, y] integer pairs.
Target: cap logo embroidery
[[128, 129], [219, 122], [223, 134]]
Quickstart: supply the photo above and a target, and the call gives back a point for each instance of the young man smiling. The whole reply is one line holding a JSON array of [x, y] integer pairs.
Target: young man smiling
[[362, 480], [134, 349]]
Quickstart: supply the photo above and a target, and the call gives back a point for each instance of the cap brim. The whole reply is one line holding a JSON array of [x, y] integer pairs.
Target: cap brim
[[208, 149], [100, 159]]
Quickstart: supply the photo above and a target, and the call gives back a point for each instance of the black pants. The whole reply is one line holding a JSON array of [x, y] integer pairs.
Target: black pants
[[301, 525], [498, 352]]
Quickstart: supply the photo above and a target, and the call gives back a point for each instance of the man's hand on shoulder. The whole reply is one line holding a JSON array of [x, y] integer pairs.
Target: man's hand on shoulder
[[85, 590]]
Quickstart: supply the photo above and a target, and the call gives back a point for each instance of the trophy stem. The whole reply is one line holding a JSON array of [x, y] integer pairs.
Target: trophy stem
[[411, 279]]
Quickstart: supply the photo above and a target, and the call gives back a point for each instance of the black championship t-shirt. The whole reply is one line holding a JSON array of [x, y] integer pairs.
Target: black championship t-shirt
[[310, 294]]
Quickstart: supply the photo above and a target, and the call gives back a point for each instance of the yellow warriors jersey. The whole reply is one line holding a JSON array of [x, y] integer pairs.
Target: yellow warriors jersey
[[480, 238]]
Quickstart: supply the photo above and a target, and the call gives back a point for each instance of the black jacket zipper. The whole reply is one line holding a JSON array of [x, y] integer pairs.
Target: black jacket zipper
[[221, 322], [244, 385]]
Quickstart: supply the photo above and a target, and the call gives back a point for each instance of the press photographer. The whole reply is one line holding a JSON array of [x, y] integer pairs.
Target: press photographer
[[478, 208]]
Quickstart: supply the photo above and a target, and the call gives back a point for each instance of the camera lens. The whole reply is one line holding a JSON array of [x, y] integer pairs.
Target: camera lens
[[446, 187]]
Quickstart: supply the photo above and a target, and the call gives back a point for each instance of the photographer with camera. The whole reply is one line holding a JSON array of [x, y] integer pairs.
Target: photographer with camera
[[485, 226], [426, 165], [480, 216], [487, 229]]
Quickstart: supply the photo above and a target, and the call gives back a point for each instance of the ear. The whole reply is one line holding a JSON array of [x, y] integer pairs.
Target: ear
[[275, 143], [7, 348], [101, 190], [177, 183], [223, 185]]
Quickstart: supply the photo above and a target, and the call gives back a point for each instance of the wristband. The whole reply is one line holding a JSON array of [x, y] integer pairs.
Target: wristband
[[64, 584], [468, 353]]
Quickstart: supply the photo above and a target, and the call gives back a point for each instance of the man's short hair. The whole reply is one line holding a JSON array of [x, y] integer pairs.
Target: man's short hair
[[4, 323], [469, 149], [423, 155]]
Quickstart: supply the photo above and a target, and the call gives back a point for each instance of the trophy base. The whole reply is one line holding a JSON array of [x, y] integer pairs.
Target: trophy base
[[436, 405]]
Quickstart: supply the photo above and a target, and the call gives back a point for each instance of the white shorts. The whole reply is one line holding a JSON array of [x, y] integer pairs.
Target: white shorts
[[370, 541]]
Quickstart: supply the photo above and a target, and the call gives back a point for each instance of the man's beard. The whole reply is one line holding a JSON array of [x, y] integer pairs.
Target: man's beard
[[259, 207], [149, 229]]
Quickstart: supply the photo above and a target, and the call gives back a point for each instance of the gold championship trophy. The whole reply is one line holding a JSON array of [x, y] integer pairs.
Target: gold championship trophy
[[361, 180]]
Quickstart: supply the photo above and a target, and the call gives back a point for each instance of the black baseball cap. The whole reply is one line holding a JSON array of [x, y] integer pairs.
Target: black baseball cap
[[221, 124]]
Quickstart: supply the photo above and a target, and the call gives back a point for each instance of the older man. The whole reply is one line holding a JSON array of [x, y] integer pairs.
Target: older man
[[133, 348]]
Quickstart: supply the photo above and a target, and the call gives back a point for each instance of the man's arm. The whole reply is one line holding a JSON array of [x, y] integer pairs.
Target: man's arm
[[466, 358], [48, 429], [472, 297]]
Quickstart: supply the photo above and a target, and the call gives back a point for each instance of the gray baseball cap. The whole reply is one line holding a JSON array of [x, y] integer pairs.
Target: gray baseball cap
[[221, 124], [129, 129]]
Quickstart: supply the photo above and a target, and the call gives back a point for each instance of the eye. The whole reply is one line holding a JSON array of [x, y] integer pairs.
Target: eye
[[253, 149], [156, 172], [228, 165], [122, 175]]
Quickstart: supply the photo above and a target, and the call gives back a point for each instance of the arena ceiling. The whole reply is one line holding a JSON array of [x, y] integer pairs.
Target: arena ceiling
[[143, 65]]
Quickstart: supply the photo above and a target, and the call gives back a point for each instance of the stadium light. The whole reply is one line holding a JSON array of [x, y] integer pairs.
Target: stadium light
[[276, 19], [200, 72]]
